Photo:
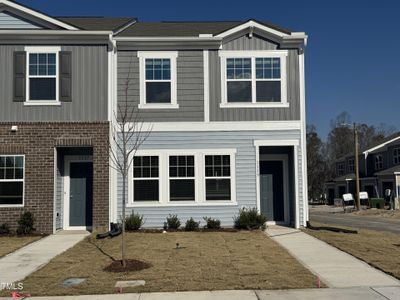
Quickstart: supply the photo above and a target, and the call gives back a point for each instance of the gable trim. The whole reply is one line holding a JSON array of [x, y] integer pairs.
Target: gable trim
[[37, 14]]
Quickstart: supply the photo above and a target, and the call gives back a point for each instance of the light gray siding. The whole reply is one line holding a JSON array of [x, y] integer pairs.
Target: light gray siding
[[190, 87], [8, 21], [89, 88], [254, 114], [243, 142]]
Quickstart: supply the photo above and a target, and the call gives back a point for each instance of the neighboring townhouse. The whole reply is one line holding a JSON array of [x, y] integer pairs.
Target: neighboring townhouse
[[225, 103], [379, 170]]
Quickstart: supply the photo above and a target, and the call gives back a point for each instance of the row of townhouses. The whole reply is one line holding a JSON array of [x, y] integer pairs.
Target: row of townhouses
[[225, 103], [379, 170]]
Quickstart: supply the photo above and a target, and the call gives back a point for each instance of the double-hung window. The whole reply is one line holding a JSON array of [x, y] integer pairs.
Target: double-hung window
[[340, 169], [11, 180], [350, 163], [396, 156], [146, 181], [378, 162], [253, 78], [42, 75], [218, 177], [157, 79], [182, 178]]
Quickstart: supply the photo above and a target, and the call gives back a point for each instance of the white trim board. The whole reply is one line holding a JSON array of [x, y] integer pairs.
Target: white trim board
[[68, 159], [37, 14], [222, 126]]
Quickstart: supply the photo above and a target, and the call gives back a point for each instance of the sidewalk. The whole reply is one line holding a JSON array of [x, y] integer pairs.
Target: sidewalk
[[364, 293], [28, 259], [334, 267]]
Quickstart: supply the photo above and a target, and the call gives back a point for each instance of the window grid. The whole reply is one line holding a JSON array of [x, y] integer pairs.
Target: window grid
[[233, 68], [181, 166], [268, 68], [146, 170], [11, 172], [42, 65], [378, 162], [340, 169], [396, 156], [158, 69], [351, 165], [217, 170]]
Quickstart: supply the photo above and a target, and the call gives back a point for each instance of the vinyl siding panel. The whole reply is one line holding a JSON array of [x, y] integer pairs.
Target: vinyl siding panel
[[8, 21], [254, 114], [243, 142], [190, 87], [89, 88]]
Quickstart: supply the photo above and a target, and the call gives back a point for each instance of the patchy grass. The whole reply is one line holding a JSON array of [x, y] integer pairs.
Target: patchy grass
[[379, 213], [204, 261], [379, 249], [9, 244]]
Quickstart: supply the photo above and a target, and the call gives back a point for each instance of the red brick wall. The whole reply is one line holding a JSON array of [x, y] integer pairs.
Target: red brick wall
[[38, 141]]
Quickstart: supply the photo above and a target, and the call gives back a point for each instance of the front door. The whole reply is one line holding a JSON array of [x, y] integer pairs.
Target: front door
[[81, 194], [272, 190]]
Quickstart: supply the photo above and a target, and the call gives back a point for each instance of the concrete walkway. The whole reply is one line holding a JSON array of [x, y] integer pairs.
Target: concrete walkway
[[364, 293], [17, 265], [334, 267]]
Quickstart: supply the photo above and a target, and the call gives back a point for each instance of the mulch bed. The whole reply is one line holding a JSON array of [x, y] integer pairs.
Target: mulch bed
[[132, 265]]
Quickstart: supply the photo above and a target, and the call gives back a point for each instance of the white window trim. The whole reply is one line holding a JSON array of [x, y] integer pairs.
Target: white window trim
[[49, 49], [16, 180], [132, 180], [396, 156], [195, 178], [172, 55], [225, 54], [199, 156]]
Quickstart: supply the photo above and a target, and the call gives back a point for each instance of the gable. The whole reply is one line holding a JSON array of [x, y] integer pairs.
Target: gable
[[10, 21], [245, 42]]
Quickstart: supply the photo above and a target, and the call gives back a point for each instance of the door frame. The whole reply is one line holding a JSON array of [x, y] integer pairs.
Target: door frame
[[68, 159], [284, 158], [295, 144]]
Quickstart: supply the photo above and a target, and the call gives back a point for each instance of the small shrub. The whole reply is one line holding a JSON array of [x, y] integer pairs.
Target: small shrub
[[192, 225], [4, 229], [249, 219], [212, 223], [134, 222], [173, 222], [25, 223]]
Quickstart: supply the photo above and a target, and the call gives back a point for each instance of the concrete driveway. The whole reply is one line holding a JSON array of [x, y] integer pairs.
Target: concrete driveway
[[335, 216]]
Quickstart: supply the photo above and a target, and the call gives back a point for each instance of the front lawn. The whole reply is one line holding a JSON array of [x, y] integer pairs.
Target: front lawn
[[204, 261], [379, 249], [9, 244]]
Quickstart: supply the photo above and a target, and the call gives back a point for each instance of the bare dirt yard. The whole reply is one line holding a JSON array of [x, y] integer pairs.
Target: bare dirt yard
[[203, 261]]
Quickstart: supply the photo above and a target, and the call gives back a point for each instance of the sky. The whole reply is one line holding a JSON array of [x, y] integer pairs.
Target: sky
[[352, 59]]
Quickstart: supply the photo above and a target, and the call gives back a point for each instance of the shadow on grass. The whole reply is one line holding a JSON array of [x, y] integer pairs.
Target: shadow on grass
[[99, 248]]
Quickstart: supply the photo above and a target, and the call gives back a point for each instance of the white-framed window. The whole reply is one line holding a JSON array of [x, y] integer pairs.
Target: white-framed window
[[187, 177], [158, 84], [146, 179], [253, 78], [12, 180], [181, 169], [340, 169], [42, 82], [396, 156], [378, 162], [350, 163], [218, 177]]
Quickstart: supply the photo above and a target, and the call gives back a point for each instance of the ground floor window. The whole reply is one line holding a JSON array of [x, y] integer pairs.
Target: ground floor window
[[146, 178], [182, 177], [11, 180]]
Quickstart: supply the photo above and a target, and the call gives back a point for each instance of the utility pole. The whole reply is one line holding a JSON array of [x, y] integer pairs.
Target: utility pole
[[356, 169]]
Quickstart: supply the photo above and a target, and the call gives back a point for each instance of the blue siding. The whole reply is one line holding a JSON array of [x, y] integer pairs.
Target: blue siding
[[243, 142], [8, 21]]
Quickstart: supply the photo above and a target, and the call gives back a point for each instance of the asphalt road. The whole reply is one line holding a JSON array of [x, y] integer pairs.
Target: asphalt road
[[359, 222]]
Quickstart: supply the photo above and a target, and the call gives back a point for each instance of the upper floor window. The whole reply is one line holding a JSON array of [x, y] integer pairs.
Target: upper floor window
[[396, 156], [11, 180], [378, 162], [340, 169], [351, 165], [253, 78], [157, 79], [42, 75]]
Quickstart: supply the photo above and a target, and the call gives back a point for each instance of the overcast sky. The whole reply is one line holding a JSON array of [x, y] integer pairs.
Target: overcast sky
[[352, 59]]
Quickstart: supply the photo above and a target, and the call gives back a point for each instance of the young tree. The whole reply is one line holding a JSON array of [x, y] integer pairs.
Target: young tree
[[127, 135]]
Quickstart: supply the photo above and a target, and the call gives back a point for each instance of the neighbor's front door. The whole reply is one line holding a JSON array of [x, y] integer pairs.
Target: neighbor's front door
[[81, 194], [272, 190]]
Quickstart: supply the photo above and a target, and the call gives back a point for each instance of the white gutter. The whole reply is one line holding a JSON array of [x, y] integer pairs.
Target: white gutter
[[167, 39], [366, 152], [55, 32]]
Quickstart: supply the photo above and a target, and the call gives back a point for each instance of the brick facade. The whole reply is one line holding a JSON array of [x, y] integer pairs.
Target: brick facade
[[37, 142]]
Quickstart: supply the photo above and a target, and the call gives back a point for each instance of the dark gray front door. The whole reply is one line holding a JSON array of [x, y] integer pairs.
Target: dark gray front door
[[81, 191], [272, 190]]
